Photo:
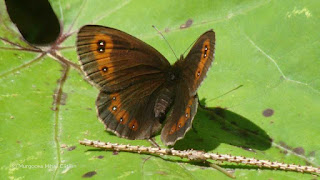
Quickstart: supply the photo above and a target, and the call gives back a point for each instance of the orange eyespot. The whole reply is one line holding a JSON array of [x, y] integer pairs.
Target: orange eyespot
[[104, 69], [122, 117], [133, 125], [183, 119], [173, 129], [101, 46], [205, 50]]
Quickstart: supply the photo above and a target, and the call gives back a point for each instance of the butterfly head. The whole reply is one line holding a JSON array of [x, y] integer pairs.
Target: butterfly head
[[173, 75]]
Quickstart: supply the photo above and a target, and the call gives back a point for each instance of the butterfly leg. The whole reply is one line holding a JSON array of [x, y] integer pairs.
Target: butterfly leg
[[202, 106], [153, 142]]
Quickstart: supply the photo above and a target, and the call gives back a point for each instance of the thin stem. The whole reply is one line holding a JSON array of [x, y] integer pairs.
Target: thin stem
[[202, 156], [220, 169]]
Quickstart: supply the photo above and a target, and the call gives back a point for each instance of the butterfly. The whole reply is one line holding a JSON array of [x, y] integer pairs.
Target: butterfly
[[140, 92]]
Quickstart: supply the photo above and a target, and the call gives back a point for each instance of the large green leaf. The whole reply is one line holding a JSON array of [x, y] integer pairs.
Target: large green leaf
[[268, 48]]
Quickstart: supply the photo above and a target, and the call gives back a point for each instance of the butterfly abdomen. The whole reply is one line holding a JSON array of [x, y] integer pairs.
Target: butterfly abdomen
[[163, 101]]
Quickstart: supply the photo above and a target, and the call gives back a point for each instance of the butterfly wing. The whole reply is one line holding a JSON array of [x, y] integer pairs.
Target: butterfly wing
[[193, 70], [129, 113], [180, 117], [129, 74], [115, 60], [197, 63]]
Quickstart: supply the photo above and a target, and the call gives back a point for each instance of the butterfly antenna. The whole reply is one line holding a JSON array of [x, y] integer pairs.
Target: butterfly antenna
[[226, 93], [165, 40], [189, 47]]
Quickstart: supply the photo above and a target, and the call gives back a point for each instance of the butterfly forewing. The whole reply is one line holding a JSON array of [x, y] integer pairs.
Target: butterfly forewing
[[198, 61], [114, 60]]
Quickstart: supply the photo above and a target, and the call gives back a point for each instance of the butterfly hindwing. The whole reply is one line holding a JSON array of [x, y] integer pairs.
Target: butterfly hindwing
[[129, 113], [180, 117]]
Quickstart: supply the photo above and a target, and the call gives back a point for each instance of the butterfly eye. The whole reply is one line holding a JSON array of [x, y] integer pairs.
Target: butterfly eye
[[101, 46], [172, 77]]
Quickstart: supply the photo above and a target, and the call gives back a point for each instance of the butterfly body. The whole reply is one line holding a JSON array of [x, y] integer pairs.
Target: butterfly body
[[139, 89]]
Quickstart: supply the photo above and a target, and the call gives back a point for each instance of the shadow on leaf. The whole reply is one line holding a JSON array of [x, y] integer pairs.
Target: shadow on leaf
[[213, 126]]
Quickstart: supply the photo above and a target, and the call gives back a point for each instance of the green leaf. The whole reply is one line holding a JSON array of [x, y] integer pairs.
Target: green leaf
[[267, 51]]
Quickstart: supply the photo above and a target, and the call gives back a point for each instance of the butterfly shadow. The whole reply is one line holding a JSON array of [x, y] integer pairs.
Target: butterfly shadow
[[213, 126]]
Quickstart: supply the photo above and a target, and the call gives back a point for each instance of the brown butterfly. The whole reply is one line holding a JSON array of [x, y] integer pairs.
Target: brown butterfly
[[139, 89]]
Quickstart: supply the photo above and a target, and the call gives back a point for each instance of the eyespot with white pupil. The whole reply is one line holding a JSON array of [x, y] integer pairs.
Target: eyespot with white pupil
[[205, 51], [132, 126], [121, 119], [179, 125], [187, 115], [198, 73], [101, 46], [104, 69], [114, 108], [114, 98]]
